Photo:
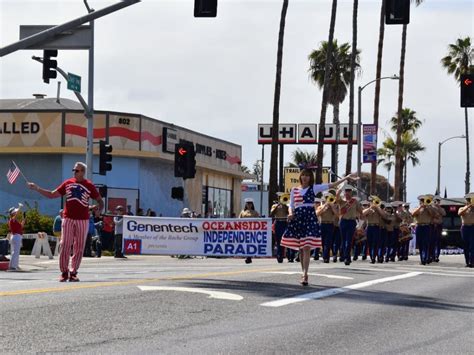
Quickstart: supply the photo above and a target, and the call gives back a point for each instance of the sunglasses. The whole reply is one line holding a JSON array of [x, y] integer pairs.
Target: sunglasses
[[76, 170]]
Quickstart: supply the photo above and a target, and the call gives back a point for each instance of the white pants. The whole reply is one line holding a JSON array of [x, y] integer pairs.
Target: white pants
[[15, 246]]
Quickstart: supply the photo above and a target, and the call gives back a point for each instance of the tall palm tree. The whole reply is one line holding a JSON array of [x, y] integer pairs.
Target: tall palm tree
[[410, 123], [324, 102], [378, 74], [300, 156], [385, 156], [339, 79], [401, 81], [460, 60], [351, 87], [276, 109]]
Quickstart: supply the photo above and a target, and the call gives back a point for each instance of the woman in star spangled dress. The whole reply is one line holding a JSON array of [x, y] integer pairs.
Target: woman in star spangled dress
[[302, 232]]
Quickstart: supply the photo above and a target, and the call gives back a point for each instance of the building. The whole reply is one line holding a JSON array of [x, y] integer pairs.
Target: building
[[46, 136]]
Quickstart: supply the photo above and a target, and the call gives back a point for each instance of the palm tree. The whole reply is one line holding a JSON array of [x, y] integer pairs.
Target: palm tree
[[339, 79], [410, 123], [351, 88], [401, 81], [300, 156], [276, 109], [459, 61], [324, 102], [378, 74], [385, 156], [245, 169]]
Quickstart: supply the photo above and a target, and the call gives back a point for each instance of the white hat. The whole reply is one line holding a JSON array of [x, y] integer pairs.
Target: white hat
[[186, 211], [470, 195], [421, 197], [13, 210], [437, 198], [248, 199]]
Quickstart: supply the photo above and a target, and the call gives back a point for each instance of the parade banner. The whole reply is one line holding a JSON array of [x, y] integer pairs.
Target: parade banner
[[197, 236], [370, 143]]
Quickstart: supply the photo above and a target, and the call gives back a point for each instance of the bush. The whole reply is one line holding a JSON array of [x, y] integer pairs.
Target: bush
[[35, 221]]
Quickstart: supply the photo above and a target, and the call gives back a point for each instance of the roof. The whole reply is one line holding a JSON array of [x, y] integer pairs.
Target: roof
[[39, 104]]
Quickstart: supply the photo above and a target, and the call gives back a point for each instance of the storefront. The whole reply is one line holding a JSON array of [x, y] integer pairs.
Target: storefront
[[46, 138]]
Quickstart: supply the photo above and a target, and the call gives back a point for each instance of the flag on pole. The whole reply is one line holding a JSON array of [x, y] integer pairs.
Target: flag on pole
[[13, 173]]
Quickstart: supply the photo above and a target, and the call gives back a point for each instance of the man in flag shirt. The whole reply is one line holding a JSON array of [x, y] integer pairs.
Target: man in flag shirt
[[77, 190]]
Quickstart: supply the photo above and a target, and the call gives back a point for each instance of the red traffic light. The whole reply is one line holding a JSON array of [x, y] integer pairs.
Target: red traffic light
[[467, 82], [182, 151]]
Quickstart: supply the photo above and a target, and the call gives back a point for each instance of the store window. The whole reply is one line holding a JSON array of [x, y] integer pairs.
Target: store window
[[216, 203]]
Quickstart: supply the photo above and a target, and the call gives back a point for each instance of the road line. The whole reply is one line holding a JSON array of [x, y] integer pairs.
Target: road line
[[311, 274], [212, 294], [85, 285], [335, 291]]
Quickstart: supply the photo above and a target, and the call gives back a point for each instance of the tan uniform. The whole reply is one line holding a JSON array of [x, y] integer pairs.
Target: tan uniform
[[349, 210], [248, 214], [325, 214], [467, 218]]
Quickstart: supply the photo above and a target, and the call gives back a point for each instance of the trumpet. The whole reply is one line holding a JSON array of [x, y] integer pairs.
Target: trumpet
[[428, 200], [284, 199], [376, 201], [330, 199]]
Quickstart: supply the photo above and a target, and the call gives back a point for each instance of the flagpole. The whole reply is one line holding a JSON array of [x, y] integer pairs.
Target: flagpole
[[26, 180]]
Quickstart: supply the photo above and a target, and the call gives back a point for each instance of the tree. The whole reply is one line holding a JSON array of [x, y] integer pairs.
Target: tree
[[276, 109], [410, 123], [324, 102], [339, 79], [257, 170], [459, 61], [300, 156], [378, 75], [245, 169], [354, 62], [401, 81]]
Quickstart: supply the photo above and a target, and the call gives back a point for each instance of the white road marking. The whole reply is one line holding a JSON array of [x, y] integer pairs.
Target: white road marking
[[335, 291], [311, 274], [211, 293]]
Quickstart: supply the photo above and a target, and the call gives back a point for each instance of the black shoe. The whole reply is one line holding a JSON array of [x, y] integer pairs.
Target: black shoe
[[372, 261], [334, 260], [73, 277], [380, 260], [341, 259], [392, 259], [387, 260], [280, 260], [347, 262], [436, 260], [423, 263], [355, 258], [120, 257], [364, 257], [316, 257], [326, 261], [248, 260], [291, 260], [297, 259]]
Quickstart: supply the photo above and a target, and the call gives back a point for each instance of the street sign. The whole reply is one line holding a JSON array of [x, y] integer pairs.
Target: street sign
[[74, 82]]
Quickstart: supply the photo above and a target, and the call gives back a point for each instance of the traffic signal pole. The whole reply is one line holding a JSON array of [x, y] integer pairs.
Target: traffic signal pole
[[90, 100]]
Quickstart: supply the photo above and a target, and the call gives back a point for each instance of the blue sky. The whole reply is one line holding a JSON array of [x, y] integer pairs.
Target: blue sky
[[216, 76]]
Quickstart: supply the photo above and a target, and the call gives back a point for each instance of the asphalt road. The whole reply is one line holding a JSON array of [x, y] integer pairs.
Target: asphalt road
[[205, 306]]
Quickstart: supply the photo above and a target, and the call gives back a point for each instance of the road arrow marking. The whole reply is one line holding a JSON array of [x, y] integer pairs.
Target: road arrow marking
[[335, 291], [211, 293], [311, 274]]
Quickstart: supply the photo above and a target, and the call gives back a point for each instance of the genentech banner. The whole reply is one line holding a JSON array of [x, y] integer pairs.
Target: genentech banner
[[197, 236]]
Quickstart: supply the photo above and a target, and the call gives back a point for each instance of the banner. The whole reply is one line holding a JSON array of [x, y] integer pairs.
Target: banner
[[369, 149], [292, 177], [197, 236]]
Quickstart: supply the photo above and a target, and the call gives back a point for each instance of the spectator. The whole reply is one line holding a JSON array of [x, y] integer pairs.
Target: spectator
[[16, 230], [118, 221]]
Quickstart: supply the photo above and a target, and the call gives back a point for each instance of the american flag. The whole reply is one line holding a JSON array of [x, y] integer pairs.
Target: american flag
[[13, 173]]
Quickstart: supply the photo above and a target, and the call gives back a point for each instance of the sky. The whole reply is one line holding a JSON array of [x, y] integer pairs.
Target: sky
[[217, 76]]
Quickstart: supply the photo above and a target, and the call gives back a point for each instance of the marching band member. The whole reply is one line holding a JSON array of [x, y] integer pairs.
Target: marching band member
[[279, 212], [317, 203], [382, 244], [350, 210], [422, 215], [373, 214], [397, 220], [405, 231], [437, 227], [302, 233], [326, 214], [467, 228], [360, 239], [391, 241]]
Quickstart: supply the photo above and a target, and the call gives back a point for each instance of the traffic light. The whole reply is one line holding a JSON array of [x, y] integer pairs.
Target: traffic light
[[467, 90], [177, 193], [205, 8], [49, 65], [397, 12], [105, 157], [184, 161]]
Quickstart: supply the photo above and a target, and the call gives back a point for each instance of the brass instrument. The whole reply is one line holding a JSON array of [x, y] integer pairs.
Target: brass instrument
[[428, 200], [284, 198], [330, 198], [375, 200]]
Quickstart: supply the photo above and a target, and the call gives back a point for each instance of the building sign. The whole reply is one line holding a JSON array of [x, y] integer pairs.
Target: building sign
[[286, 133], [292, 177], [369, 149], [306, 133], [170, 139], [188, 236]]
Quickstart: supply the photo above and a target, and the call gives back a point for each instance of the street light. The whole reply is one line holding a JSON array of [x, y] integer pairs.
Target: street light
[[359, 127], [439, 159]]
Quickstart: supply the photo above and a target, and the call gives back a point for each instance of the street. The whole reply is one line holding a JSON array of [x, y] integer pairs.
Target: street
[[158, 304]]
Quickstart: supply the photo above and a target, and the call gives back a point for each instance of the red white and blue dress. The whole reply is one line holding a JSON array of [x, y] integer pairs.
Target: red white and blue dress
[[303, 229]]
